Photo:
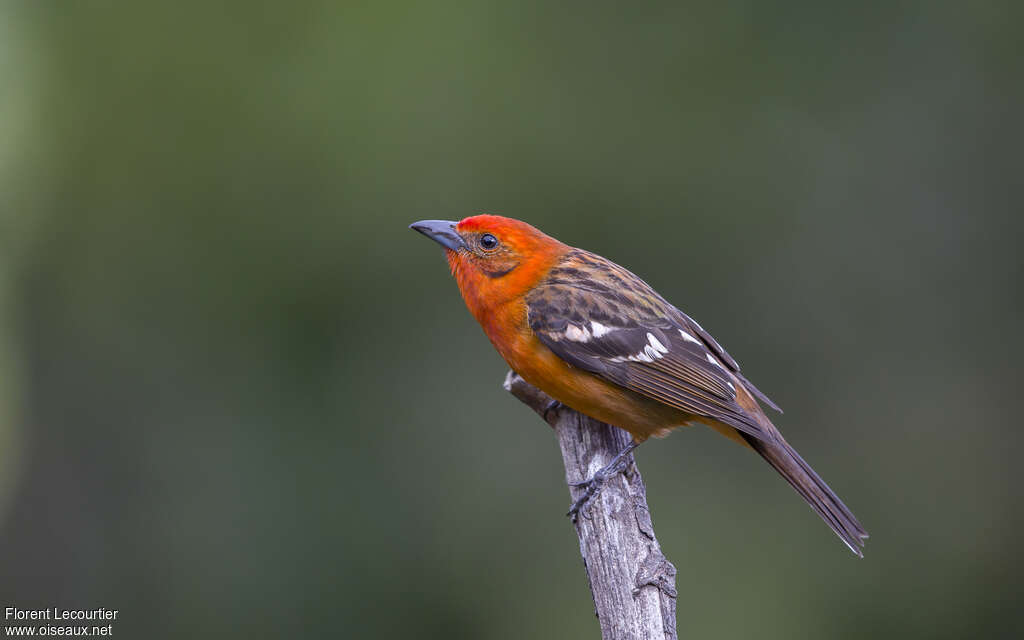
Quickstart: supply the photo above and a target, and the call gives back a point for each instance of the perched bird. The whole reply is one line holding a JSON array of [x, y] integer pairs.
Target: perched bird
[[600, 340]]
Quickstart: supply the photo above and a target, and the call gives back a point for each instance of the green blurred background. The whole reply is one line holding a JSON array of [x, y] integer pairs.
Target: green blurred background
[[238, 398]]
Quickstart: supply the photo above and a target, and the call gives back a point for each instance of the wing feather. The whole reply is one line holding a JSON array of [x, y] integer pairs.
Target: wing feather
[[601, 318]]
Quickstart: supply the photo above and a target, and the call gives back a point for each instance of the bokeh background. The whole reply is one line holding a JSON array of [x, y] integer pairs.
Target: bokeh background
[[238, 398]]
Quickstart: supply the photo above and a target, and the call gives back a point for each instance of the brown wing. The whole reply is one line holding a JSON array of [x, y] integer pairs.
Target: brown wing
[[601, 318]]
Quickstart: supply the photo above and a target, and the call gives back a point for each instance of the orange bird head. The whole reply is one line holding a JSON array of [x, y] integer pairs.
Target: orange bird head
[[494, 259]]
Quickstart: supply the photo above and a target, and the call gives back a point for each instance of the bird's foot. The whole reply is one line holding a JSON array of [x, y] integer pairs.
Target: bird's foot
[[592, 487], [553, 406]]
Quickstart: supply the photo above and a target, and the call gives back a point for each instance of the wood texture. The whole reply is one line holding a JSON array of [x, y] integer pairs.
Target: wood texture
[[632, 582]]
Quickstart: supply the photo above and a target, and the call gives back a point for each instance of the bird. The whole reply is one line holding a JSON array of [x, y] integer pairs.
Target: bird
[[598, 339]]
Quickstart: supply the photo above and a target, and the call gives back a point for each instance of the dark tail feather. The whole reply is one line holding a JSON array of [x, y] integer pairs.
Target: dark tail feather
[[813, 489]]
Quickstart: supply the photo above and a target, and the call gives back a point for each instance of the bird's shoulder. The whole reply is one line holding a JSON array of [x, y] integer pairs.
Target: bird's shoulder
[[585, 287], [596, 301]]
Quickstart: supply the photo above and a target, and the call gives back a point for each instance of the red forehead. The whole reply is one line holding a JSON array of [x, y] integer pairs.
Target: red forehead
[[487, 222], [508, 230]]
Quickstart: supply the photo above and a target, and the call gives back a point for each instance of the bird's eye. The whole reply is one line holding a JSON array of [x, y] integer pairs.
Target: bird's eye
[[488, 242]]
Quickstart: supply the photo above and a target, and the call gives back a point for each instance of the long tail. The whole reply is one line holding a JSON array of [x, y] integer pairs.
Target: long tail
[[813, 489]]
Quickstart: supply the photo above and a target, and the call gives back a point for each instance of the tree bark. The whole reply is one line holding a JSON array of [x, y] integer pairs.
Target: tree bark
[[632, 582]]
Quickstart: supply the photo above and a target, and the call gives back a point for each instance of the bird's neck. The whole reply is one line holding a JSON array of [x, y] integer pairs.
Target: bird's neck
[[498, 303]]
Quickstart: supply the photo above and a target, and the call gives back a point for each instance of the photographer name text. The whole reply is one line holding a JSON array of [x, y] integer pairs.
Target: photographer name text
[[56, 613]]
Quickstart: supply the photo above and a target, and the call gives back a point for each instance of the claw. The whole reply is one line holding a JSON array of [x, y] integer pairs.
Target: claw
[[554, 405], [593, 488]]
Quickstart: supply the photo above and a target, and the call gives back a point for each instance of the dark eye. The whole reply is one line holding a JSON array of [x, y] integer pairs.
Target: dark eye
[[487, 241]]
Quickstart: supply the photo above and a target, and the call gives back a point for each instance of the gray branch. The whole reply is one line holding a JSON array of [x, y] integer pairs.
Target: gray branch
[[632, 582]]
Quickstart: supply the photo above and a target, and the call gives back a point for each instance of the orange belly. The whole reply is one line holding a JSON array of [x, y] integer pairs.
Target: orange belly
[[586, 392]]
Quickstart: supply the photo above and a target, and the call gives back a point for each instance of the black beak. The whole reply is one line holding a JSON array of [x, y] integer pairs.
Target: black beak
[[440, 231]]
